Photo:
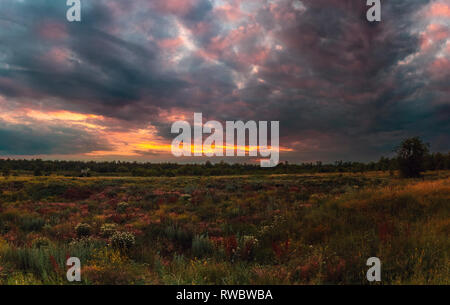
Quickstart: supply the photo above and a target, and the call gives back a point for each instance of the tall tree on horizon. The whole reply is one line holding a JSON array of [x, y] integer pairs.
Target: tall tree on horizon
[[411, 156]]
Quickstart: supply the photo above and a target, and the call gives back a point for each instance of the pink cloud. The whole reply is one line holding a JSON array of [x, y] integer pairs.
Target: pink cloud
[[200, 28], [433, 34], [230, 11], [176, 7], [440, 68], [439, 10], [170, 43], [235, 46], [52, 30], [59, 55]]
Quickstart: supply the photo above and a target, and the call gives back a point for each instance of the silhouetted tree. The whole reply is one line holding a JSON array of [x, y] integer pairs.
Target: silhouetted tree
[[411, 156]]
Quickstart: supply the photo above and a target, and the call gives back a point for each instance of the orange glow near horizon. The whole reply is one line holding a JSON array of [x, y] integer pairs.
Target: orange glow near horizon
[[168, 148], [128, 143], [61, 115], [165, 148]]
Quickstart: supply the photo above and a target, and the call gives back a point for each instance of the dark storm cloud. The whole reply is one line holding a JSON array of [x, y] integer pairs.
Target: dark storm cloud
[[332, 79], [349, 83], [31, 140], [98, 73]]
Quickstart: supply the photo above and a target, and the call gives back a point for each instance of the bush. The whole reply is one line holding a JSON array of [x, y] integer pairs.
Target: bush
[[30, 223], [186, 197], [86, 243], [181, 236], [4, 227], [247, 246], [83, 229], [40, 191], [122, 207], [122, 240], [84, 247], [108, 229], [201, 246], [40, 242]]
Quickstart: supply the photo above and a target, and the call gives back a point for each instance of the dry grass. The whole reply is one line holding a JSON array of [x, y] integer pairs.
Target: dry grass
[[280, 229]]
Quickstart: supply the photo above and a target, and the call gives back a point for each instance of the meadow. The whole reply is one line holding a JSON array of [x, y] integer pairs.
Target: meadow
[[254, 229]]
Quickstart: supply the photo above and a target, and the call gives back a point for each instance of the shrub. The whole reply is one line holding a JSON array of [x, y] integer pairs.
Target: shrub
[[39, 191], [110, 267], [182, 236], [83, 229], [86, 242], [186, 198], [4, 227], [201, 246], [122, 240], [108, 229], [122, 207], [247, 246], [84, 247], [40, 242], [30, 223]]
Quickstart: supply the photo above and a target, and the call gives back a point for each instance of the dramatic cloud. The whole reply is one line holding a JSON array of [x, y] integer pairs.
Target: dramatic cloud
[[111, 85], [28, 140]]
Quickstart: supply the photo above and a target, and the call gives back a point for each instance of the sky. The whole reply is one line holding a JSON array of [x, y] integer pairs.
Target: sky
[[110, 87]]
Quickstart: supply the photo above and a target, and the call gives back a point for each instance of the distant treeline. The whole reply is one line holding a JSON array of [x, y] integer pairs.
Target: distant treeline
[[38, 167]]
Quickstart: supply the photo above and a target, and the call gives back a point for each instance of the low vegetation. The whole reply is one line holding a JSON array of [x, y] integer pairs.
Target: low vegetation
[[271, 229]]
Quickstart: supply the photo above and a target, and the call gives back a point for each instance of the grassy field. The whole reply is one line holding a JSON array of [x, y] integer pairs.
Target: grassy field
[[284, 229]]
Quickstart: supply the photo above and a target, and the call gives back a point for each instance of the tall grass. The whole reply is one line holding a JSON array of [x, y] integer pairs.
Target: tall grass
[[319, 229]]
